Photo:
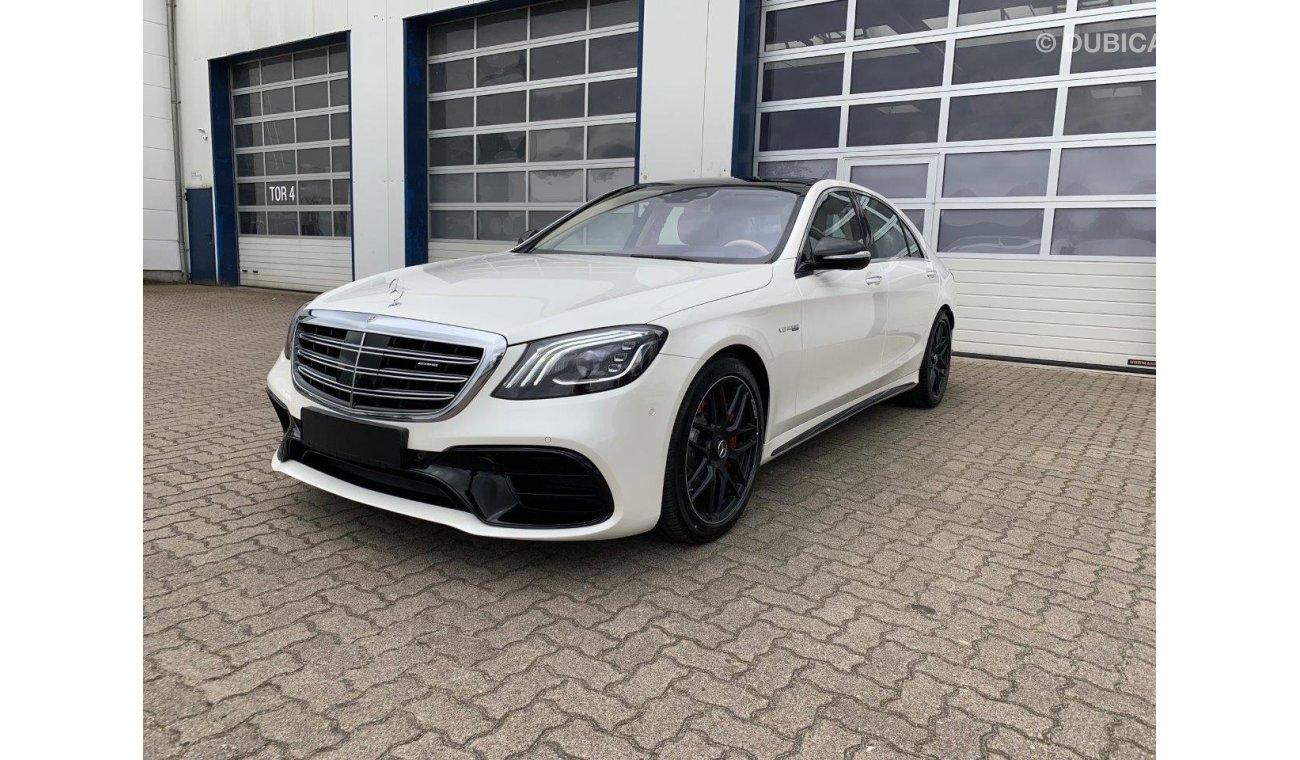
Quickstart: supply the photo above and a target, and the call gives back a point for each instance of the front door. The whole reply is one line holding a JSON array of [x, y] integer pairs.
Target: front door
[[843, 318]]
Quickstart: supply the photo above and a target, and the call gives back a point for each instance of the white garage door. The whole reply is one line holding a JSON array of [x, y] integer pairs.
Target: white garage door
[[531, 112], [1019, 135], [293, 166]]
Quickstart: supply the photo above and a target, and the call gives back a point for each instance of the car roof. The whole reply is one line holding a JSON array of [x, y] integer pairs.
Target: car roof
[[798, 185]]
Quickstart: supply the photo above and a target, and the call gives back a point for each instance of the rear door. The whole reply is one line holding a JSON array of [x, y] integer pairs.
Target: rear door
[[843, 316], [909, 286]]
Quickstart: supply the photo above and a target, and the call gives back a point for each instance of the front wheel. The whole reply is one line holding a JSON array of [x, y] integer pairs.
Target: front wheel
[[713, 456], [935, 366]]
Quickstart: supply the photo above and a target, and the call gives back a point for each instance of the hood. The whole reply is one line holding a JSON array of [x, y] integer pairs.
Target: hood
[[525, 296]]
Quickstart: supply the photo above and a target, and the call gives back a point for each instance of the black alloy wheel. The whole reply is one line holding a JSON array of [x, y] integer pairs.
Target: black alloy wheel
[[714, 455], [936, 366]]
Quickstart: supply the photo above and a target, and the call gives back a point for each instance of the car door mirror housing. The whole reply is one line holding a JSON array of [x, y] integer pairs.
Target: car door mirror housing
[[527, 235], [838, 253]]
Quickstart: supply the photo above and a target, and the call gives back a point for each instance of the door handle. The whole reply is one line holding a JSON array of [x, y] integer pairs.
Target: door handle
[[873, 279]]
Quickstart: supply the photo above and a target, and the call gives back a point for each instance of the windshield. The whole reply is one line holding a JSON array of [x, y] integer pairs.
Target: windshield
[[726, 224]]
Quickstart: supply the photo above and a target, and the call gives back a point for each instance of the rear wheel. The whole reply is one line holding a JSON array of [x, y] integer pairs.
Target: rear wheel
[[935, 366], [714, 453]]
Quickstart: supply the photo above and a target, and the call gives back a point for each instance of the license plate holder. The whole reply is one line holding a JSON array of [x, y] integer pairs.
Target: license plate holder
[[353, 440]]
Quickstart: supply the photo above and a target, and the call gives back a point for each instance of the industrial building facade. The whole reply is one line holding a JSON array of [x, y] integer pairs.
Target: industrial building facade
[[319, 142]]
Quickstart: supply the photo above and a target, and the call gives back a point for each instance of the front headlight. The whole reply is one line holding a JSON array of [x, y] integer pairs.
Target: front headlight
[[585, 362], [293, 324]]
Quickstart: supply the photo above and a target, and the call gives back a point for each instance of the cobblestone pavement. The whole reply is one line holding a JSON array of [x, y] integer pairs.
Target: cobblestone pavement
[[973, 581]]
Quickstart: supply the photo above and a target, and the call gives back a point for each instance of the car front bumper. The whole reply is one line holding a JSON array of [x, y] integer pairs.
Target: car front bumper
[[462, 471]]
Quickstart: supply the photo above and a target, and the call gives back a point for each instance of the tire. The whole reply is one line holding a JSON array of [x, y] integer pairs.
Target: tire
[[717, 443], [936, 366]]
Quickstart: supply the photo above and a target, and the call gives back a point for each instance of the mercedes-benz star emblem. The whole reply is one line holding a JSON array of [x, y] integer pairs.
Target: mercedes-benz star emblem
[[722, 449]]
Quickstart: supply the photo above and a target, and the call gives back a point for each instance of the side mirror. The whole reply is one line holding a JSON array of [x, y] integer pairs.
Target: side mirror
[[526, 235], [837, 253]]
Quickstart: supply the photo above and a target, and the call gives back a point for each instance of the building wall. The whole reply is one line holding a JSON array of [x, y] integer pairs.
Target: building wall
[[161, 250]]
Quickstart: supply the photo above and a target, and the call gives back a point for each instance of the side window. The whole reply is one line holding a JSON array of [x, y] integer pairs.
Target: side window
[[836, 217], [913, 248], [887, 238]]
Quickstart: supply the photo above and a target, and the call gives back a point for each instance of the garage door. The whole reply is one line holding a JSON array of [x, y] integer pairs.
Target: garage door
[[293, 166], [531, 112], [1019, 135]]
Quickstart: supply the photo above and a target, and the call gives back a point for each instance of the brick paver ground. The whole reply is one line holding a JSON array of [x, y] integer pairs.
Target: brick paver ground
[[973, 581]]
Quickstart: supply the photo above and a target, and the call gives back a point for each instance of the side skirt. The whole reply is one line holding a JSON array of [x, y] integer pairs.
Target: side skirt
[[836, 419]]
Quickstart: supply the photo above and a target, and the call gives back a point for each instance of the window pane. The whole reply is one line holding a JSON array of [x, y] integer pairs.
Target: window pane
[[342, 192], [984, 11], [898, 68], [565, 102], [277, 101], [1002, 115], [279, 132], [249, 165], [1017, 231], [1114, 45], [1124, 170], [613, 12], [555, 186], [894, 180], [601, 181], [501, 28], [451, 188], [246, 75], [280, 162], [338, 59], [807, 25], [563, 60], [503, 108], [451, 38], [313, 128], [611, 141], [313, 160], [540, 220], [248, 135], [501, 148], [316, 223], [252, 222], [911, 121], [836, 218], [282, 222], [1127, 107], [248, 105], [282, 193], [341, 159], [308, 96], [451, 225], [1104, 232], [452, 75], [803, 78], [611, 97], [340, 126], [315, 192], [342, 224], [559, 18], [501, 68], [823, 168], [612, 53], [501, 187], [339, 92], [884, 18], [887, 238], [796, 130], [451, 114], [500, 225], [1010, 173], [278, 69], [556, 144], [312, 64], [1007, 56], [251, 194], [451, 151]]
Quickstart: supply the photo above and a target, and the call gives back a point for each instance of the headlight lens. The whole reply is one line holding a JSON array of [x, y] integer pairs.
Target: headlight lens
[[585, 362], [293, 325]]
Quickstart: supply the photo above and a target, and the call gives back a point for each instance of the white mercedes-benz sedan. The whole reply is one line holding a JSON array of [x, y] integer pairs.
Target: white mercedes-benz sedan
[[628, 368]]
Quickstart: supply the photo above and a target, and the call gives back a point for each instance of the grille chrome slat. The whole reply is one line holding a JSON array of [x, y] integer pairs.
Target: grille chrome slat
[[370, 365]]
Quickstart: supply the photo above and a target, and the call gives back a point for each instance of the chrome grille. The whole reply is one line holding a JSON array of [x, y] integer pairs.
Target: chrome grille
[[380, 366]]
